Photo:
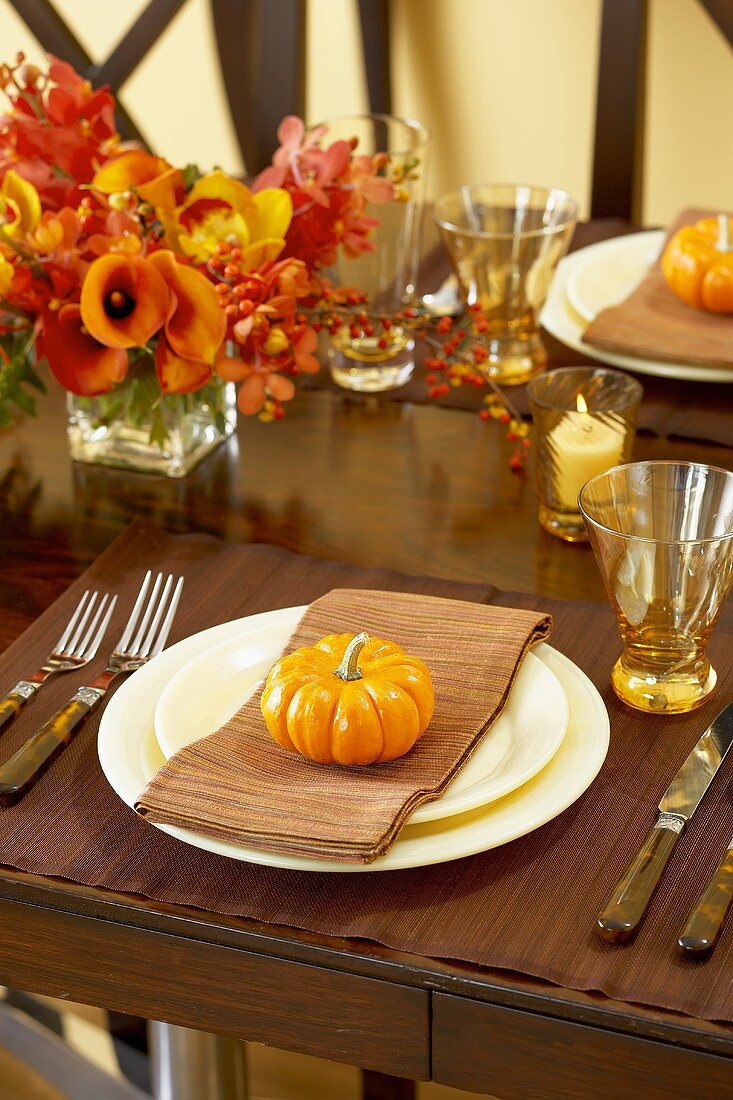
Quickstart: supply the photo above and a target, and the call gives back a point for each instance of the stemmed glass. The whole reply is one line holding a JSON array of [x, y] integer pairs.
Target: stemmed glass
[[662, 533]]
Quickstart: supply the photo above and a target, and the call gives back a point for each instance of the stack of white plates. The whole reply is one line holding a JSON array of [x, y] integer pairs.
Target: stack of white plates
[[600, 276], [539, 757]]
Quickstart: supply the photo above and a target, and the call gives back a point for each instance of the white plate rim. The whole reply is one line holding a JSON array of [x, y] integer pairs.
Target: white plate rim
[[517, 813], [644, 246], [561, 321], [480, 793]]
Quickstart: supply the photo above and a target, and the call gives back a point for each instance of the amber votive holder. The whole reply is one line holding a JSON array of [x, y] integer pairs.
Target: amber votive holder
[[584, 423]]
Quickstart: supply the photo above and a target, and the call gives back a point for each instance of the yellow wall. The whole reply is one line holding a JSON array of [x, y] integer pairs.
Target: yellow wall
[[508, 87]]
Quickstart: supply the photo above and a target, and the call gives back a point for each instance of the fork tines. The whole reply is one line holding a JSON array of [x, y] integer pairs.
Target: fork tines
[[150, 623], [85, 630]]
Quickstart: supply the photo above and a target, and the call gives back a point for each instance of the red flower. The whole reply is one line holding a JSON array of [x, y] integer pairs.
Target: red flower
[[79, 362]]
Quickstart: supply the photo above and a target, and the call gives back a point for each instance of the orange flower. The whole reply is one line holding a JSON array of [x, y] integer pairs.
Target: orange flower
[[124, 300], [196, 325], [57, 232], [154, 179], [79, 362], [178, 375], [258, 380]]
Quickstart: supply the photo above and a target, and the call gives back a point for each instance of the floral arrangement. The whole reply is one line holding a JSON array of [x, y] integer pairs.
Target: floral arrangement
[[137, 279]]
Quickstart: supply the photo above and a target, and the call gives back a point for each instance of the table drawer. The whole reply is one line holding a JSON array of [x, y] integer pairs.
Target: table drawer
[[328, 1013], [512, 1054]]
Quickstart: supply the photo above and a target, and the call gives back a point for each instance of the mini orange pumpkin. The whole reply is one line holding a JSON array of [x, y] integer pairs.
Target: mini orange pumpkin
[[698, 265], [348, 700]]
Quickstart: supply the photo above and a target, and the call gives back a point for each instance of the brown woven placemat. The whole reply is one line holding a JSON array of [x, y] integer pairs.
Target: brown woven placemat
[[238, 783], [528, 906]]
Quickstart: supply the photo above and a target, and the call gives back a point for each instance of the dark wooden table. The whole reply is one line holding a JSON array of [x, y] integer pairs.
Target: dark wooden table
[[418, 488]]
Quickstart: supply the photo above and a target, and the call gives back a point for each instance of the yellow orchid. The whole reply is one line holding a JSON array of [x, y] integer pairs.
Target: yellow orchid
[[20, 205], [219, 208], [6, 276]]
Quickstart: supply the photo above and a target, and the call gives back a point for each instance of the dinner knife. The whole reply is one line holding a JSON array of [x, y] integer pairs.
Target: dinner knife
[[622, 913], [706, 918]]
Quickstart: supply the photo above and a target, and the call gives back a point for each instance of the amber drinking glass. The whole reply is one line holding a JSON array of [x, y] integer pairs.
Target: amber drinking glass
[[387, 275], [504, 242], [662, 533], [584, 422]]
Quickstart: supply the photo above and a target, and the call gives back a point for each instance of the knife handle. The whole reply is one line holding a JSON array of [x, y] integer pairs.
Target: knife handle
[[622, 913], [706, 919]]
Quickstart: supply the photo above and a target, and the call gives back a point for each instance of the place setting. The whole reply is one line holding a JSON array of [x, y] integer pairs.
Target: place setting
[[641, 301], [499, 732]]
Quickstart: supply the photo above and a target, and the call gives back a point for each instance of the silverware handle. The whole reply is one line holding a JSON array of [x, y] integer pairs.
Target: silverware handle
[[706, 919], [622, 913], [25, 766], [14, 700]]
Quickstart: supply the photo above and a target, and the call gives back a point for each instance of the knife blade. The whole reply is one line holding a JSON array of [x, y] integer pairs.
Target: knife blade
[[622, 913], [705, 919]]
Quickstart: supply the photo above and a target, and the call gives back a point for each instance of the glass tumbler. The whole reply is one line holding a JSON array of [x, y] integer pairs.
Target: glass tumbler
[[504, 242], [387, 275], [584, 422], [662, 533]]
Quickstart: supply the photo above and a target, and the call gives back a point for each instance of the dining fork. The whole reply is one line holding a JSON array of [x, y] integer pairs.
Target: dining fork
[[143, 638], [76, 647]]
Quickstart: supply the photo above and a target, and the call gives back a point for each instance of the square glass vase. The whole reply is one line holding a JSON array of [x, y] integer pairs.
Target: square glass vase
[[170, 440]]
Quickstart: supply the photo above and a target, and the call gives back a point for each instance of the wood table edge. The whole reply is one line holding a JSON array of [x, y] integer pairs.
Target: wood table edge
[[371, 960]]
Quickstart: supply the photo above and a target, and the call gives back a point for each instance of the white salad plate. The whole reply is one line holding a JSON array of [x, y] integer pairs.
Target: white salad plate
[[600, 276], [130, 756], [208, 690]]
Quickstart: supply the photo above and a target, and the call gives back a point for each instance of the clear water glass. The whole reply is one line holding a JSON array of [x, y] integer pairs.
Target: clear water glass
[[388, 274], [504, 242]]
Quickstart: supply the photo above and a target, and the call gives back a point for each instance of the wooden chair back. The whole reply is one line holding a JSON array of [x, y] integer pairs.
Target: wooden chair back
[[261, 46]]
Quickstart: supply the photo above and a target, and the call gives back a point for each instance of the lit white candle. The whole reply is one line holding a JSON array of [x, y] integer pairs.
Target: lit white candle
[[582, 445]]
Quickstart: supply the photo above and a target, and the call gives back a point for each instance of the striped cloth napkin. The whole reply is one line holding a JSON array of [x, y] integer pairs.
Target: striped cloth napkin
[[238, 784]]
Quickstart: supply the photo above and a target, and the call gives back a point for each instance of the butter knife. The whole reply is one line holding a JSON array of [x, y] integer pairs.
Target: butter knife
[[706, 918], [622, 913]]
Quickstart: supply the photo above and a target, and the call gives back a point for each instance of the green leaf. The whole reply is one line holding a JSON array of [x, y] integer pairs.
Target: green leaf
[[191, 174], [17, 372], [158, 430]]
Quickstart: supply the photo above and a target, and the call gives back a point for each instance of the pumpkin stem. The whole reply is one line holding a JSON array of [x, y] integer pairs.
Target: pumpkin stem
[[349, 667], [723, 234]]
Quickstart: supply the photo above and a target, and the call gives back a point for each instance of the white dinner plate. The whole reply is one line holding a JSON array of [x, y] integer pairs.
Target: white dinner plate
[[208, 690], [627, 263], [130, 756]]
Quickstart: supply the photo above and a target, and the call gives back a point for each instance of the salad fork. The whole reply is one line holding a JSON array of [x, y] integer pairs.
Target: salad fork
[[143, 638], [76, 647]]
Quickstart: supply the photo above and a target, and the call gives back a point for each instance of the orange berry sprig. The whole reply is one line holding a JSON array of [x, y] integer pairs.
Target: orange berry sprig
[[460, 353]]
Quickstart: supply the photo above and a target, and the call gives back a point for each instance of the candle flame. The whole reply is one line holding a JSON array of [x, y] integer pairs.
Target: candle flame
[[580, 404]]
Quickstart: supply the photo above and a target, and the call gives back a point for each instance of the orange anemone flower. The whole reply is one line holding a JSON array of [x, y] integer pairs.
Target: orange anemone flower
[[196, 324], [124, 300], [79, 362], [178, 375]]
